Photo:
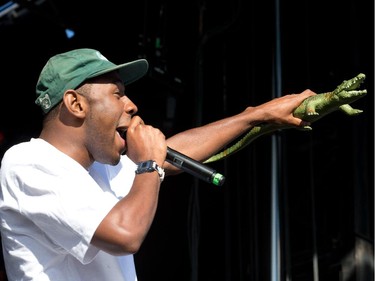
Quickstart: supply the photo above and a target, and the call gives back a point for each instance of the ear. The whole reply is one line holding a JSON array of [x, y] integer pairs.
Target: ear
[[75, 103]]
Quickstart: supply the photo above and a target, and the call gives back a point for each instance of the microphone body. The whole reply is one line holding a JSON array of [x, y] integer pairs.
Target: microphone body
[[194, 167]]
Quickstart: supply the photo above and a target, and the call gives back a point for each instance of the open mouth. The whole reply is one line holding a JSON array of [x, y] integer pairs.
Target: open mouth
[[122, 132]]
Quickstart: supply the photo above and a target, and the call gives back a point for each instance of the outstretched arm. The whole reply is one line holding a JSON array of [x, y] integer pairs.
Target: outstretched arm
[[200, 143], [311, 109]]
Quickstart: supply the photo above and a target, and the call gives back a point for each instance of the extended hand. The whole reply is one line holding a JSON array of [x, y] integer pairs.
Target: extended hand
[[311, 109]]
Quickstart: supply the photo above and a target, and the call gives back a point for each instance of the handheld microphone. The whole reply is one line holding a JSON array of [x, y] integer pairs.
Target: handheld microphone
[[194, 167]]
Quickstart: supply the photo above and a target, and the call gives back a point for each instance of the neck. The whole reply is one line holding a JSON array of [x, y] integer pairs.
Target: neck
[[68, 141]]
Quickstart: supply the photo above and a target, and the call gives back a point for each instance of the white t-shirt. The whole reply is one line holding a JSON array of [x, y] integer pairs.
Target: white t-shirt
[[50, 207]]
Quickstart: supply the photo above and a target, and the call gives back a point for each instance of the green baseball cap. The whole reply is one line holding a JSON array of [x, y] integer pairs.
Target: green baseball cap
[[68, 70]]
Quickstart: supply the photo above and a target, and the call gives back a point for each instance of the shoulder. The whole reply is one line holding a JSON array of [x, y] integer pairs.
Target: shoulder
[[36, 154], [24, 150], [17, 151]]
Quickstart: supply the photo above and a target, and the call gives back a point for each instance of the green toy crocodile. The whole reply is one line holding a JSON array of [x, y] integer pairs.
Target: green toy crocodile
[[311, 109]]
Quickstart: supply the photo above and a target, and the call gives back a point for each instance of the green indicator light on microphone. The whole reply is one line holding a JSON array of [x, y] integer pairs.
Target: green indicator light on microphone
[[218, 179]]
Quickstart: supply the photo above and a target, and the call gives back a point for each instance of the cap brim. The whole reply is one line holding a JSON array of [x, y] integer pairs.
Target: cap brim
[[130, 71]]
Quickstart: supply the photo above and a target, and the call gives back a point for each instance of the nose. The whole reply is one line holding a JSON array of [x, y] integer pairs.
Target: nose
[[129, 106]]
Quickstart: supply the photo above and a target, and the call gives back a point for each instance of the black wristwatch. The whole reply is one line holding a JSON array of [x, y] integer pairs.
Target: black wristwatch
[[149, 167]]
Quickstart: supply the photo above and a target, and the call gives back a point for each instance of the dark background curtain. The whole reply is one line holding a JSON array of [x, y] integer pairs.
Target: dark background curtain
[[208, 60]]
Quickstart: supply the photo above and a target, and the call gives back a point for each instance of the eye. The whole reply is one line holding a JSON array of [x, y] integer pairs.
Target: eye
[[117, 96]]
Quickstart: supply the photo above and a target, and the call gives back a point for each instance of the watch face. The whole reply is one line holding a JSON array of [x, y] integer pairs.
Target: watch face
[[146, 166]]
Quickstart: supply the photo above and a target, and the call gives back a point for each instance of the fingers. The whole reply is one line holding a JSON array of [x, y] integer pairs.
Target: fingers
[[145, 142], [301, 123], [283, 109], [135, 121], [307, 93], [304, 95]]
